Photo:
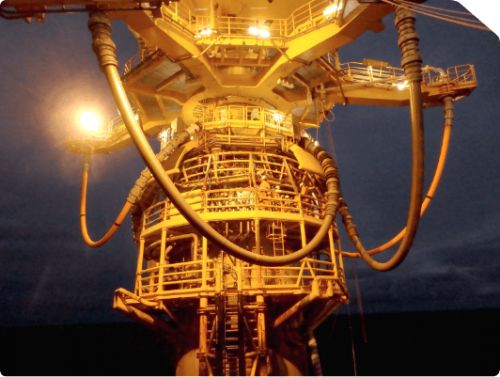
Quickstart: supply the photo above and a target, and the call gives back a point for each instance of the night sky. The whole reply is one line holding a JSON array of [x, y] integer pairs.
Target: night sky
[[49, 74]]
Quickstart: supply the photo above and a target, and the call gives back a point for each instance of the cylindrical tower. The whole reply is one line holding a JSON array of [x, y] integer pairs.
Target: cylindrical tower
[[247, 175]]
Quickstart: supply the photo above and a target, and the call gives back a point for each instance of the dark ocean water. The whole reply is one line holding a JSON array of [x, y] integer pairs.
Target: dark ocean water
[[439, 343]]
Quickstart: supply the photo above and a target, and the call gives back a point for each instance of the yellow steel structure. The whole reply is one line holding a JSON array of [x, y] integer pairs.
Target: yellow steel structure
[[241, 81]]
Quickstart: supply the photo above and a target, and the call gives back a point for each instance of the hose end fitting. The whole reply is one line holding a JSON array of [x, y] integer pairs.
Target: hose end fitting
[[448, 110], [102, 44], [408, 43], [193, 129], [348, 221], [86, 162]]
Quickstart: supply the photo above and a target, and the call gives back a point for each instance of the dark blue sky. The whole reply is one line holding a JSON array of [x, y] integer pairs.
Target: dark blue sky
[[49, 276]]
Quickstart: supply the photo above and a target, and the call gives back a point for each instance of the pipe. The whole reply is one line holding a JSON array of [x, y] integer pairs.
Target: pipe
[[83, 211], [448, 121], [149, 250], [411, 62], [105, 50], [298, 306], [134, 193], [315, 360], [329, 308]]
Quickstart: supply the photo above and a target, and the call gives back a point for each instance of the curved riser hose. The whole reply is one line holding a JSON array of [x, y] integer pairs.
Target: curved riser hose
[[105, 50], [411, 62], [83, 216], [430, 193]]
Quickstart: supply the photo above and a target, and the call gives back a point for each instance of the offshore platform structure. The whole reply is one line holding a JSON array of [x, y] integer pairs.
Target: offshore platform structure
[[235, 218]]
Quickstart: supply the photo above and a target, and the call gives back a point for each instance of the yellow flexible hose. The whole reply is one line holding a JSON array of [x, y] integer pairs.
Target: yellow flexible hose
[[411, 62], [147, 154], [83, 216], [430, 194]]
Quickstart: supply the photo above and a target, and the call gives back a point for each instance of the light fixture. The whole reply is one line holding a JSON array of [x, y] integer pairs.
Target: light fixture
[[285, 83], [204, 33], [329, 10], [402, 86], [371, 63], [89, 121], [260, 32], [164, 135]]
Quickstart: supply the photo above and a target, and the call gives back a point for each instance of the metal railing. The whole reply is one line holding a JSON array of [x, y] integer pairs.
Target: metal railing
[[358, 72], [458, 77], [462, 73], [238, 199], [233, 116], [184, 276], [133, 62], [139, 58], [292, 276], [205, 276], [305, 17], [116, 128], [230, 165]]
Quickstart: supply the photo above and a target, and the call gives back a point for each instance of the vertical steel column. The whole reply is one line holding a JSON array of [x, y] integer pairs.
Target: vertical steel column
[[204, 264], [332, 251], [261, 327], [140, 263], [257, 250], [203, 337], [162, 258], [241, 324], [303, 233], [219, 307], [212, 15]]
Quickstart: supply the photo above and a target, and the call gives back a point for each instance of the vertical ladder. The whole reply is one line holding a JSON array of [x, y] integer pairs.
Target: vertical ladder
[[231, 338], [279, 240], [277, 233]]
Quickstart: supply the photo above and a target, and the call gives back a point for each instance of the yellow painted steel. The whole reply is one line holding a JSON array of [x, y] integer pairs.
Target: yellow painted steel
[[253, 82], [306, 160]]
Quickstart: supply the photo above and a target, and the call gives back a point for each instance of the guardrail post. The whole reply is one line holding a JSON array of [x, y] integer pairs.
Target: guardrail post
[[162, 258], [257, 250], [303, 233], [239, 270], [301, 272], [140, 262], [332, 252]]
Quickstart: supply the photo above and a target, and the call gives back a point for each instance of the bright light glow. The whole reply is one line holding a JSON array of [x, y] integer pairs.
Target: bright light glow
[[89, 121], [316, 143], [260, 32], [164, 135], [264, 33], [204, 33], [328, 11], [278, 118], [402, 86]]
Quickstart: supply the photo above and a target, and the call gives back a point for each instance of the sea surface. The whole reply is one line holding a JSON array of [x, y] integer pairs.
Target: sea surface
[[458, 343]]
